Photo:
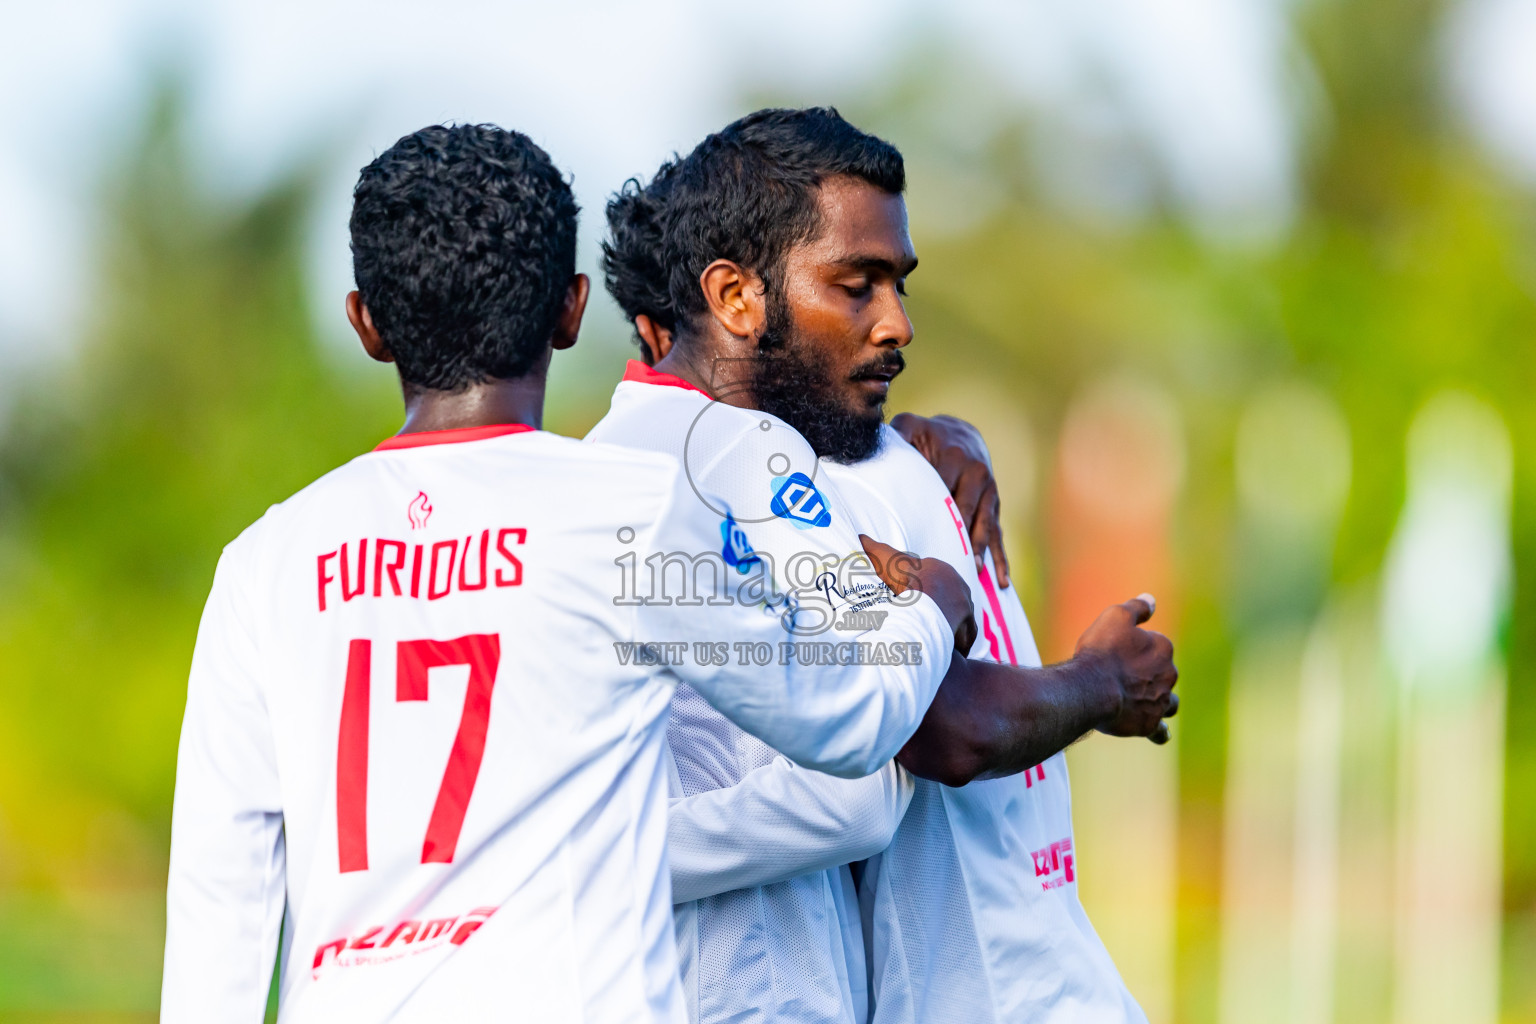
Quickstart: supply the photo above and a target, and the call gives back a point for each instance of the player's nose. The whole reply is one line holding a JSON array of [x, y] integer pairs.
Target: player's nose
[[894, 328]]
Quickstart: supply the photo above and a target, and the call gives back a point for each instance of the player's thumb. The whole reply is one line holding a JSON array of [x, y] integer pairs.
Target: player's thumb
[[1142, 607]]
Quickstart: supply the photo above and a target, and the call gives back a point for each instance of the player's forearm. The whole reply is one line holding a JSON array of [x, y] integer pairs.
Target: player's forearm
[[226, 888], [780, 822], [224, 905], [874, 706], [846, 718], [990, 720], [842, 703]]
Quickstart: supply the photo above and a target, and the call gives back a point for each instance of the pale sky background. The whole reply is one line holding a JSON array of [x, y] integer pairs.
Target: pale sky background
[[610, 89]]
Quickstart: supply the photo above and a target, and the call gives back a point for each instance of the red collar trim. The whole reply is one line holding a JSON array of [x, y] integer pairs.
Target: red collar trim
[[641, 374], [426, 437]]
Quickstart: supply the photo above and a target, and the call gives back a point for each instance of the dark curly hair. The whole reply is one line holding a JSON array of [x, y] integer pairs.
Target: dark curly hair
[[632, 252], [463, 247], [748, 194]]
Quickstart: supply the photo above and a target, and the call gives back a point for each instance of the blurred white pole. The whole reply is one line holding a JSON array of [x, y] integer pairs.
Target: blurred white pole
[[1445, 599], [1279, 915], [1125, 821], [1258, 830], [1280, 902], [1319, 785]]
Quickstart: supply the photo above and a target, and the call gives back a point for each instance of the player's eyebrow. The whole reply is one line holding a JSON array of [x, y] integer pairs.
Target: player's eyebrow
[[877, 264]]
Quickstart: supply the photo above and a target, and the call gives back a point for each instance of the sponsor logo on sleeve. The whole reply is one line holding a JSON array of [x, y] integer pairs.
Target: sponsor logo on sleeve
[[1054, 864], [737, 550], [855, 600], [796, 498]]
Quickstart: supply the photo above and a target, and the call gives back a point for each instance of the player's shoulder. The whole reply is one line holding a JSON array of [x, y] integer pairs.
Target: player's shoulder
[[643, 413], [567, 469], [618, 469], [717, 443], [593, 467], [579, 457], [899, 473], [277, 515], [898, 454]]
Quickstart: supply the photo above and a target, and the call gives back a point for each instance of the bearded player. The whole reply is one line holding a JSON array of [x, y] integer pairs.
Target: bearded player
[[972, 912], [424, 728]]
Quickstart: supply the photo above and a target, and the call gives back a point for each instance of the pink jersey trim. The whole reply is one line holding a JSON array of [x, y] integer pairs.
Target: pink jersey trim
[[641, 374], [954, 514], [997, 612], [426, 437]]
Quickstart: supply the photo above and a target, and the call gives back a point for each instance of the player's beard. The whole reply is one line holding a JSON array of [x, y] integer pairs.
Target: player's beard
[[792, 379]]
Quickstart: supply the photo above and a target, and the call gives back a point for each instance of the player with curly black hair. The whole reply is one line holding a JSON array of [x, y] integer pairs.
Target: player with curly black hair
[[464, 251], [426, 718], [632, 258]]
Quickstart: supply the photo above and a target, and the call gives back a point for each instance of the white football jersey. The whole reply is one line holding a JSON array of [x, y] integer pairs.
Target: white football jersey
[[425, 731], [972, 914], [767, 916]]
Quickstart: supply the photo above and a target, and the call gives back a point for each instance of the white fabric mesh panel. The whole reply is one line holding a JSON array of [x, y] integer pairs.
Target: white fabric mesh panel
[[704, 743], [777, 940], [779, 953], [923, 890]]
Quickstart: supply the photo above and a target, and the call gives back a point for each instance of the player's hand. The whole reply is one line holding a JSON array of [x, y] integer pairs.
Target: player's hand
[[957, 451], [932, 576], [1139, 666]]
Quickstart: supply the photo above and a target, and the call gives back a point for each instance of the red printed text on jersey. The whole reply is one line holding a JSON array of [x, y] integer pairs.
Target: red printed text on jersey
[[381, 944], [1053, 864], [380, 567]]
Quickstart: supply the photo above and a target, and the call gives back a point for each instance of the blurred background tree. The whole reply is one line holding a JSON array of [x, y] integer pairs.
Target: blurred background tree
[[1405, 270], [198, 397]]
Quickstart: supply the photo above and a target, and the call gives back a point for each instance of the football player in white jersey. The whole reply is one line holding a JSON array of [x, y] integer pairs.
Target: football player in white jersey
[[425, 721], [774, 255]]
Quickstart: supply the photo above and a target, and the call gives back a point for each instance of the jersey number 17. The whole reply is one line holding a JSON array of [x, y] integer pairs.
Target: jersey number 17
[[413, 658]]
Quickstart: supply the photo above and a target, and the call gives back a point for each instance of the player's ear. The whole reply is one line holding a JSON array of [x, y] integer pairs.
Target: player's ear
[[568, 326], [362, 323], [656, 339], [735, 297]]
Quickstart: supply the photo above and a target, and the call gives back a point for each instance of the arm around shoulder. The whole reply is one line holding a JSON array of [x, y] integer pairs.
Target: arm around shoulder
[[844, 717]]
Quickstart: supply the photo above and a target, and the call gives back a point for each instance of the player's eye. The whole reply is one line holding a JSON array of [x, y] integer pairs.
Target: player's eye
[[858, 289], [901, 286]]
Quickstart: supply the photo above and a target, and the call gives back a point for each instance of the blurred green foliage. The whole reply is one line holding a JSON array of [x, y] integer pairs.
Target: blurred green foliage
[[1407, 268], [200, 395]]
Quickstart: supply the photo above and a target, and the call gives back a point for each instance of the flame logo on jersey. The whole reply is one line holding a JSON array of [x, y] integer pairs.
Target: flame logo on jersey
[[419, 510]]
